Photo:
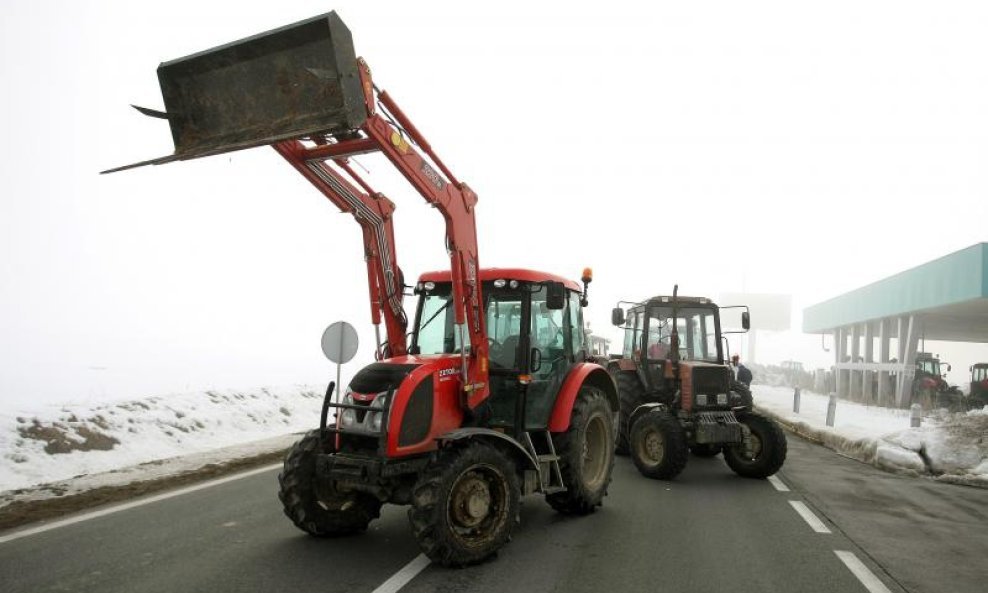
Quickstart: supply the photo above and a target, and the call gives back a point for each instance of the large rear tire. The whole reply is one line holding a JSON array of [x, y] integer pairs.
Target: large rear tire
[[465, 504], [768, 445], [320, 510], [586, 454], [631, 394], [658, 445]]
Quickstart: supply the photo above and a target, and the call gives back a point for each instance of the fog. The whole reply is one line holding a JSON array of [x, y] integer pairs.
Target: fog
[[769, 147]]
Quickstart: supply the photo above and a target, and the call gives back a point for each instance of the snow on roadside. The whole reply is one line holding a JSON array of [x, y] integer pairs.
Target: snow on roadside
[[54, 443], [949, 446]]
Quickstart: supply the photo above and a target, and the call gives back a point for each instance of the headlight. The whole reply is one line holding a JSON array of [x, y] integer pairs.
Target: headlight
[[701, 399], [721, 399], [348, 417], [376, 418]]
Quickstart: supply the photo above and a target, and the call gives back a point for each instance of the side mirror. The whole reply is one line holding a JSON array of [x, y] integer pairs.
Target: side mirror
[[617, 316], [555, 298], [948, 368], [745, 320]]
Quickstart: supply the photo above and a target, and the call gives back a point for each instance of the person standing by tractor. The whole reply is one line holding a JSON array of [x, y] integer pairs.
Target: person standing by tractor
[[743, 372]]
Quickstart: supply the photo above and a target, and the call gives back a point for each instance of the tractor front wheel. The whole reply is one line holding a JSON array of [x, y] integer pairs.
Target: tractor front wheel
[[586, 454], [465, 504], [631, 394], [658, 445], [745, 392], [768, 448], [320, 510]]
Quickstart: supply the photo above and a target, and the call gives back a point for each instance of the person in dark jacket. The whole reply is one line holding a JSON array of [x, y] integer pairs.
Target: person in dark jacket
[[743, 372]]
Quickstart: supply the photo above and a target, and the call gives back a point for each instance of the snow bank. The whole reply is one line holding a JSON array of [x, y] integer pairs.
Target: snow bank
[[949, 446], [52, 443]]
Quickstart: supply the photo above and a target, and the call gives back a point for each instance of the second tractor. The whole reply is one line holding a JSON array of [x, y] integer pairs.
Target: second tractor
[[677, 394]]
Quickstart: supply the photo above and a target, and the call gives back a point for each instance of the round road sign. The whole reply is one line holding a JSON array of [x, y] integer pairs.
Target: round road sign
[[339, 342]]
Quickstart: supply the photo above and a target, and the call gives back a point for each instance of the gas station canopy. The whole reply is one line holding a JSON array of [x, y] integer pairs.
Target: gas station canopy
[[949, 297]]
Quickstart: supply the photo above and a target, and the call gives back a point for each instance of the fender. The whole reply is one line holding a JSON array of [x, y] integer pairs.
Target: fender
[[486, 434], [643, 409], [580, 374]]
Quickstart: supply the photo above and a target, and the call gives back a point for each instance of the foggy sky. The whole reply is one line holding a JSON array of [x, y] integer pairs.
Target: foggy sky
[[774, 147]]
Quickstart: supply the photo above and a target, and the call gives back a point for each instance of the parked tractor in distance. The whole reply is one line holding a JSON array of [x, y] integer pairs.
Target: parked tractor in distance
[[978, 396], [930, 389], [677, 394], [493, 397]]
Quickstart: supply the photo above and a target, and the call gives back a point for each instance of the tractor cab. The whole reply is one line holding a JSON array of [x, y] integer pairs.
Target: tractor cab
[[535, 335], [928, 365], [675, 346], [649, 329]]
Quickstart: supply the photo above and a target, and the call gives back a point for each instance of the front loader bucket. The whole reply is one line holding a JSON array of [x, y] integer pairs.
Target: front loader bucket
[[289, 82]]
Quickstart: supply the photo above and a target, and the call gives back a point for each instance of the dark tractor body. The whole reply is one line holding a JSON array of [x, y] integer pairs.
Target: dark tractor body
[[677, 394]]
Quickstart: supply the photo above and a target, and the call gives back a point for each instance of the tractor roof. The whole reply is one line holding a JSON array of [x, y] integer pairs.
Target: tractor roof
[[682, 300], [520, 274]]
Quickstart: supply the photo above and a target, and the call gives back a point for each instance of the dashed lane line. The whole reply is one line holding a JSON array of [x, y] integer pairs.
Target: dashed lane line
[[858, 569], [401, 578], [130, 505], [808, 516], [778, 484]]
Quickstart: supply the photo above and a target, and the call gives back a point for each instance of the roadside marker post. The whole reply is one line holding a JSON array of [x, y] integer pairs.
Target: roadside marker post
[[795, 400], [915, 415], [831, 409]]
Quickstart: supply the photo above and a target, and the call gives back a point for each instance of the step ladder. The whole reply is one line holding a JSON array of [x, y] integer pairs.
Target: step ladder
[[550, 476]]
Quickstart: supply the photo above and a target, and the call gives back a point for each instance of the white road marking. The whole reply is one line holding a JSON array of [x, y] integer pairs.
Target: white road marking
[[808, 516], [401, 578], [779, 484], [134, 504], [858, 569]]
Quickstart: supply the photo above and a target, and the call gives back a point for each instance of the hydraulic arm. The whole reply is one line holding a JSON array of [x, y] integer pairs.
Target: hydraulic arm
[[302, 90], [327, 167]]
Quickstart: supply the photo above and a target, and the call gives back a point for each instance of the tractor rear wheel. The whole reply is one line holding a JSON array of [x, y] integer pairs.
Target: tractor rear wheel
[[320, 510], [658, 445], [631, 394], [586, 454], [768, 448], [465, 504]]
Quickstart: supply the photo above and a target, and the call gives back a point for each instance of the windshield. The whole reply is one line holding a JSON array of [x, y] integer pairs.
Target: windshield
[[555, 332], [697, 328], [931, 366], [436, 333]]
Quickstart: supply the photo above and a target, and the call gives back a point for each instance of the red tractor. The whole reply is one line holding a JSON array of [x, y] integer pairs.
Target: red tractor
[[492, 396]]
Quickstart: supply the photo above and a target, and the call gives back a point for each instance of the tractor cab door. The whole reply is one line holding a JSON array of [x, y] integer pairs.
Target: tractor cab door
[[657, 344], [557, 343], [530, 340]]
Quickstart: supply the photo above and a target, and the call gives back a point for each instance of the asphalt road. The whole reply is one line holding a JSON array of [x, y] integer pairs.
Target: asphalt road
[[707, 531]]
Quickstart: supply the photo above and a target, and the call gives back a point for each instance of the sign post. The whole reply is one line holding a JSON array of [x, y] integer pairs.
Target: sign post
[[339, 344]]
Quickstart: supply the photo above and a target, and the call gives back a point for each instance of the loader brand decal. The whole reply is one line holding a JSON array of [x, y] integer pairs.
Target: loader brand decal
[[447, 374], [399, 142], [474, 297], [432, 176]]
